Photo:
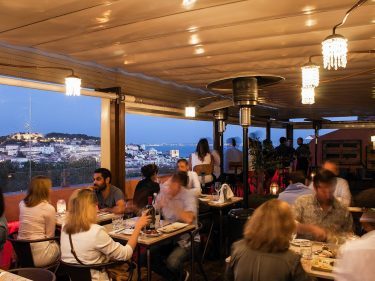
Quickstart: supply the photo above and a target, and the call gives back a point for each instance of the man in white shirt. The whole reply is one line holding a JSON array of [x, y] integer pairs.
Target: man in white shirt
[[177, 204], [232, 154], [342, 191], [193, 180], [356, 257]]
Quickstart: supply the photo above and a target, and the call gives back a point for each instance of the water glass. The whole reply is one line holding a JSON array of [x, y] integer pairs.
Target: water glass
[[117, 222], [306, 250], [61, 206]]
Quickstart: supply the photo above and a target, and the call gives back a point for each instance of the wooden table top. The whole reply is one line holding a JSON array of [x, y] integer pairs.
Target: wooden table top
[[212, 203], [101, 217], [7, 276], [146, 240]]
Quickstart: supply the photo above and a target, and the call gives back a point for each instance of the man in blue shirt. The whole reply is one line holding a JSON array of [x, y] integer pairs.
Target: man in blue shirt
[[295, 189]]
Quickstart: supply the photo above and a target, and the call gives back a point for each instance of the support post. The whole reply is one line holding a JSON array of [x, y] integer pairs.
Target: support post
[[245, 164], [218, 143], [113, 128], [289, 132], [268, 130]]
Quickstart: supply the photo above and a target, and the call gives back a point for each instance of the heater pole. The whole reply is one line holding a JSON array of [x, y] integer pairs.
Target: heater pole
[[245, 161]]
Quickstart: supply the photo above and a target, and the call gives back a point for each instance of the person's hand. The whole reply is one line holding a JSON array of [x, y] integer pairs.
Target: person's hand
[[144, 220], [320, 234]]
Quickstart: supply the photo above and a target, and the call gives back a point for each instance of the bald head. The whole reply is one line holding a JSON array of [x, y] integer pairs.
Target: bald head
[[332, 167]]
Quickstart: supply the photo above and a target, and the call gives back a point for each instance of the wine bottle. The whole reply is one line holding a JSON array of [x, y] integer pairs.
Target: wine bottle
[[157, 213], [151, 212]]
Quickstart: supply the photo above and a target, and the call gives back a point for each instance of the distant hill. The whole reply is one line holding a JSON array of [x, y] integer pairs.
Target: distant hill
[[71, 136]]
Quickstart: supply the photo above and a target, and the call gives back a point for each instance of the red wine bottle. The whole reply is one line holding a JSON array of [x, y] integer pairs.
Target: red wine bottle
[[151, 212]]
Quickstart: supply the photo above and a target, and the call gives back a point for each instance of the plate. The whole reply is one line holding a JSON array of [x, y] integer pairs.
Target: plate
[[128, 231], [298, 242], [204, 199], [323, 264], [172, 227], [157, 233]]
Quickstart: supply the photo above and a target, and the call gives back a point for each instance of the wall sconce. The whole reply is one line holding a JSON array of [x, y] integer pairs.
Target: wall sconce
[[274, 188], [190, 111], [373, 142], [72, 82]]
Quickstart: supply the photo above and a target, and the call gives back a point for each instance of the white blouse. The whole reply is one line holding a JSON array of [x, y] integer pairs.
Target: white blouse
[[93, 247], [196, 161]]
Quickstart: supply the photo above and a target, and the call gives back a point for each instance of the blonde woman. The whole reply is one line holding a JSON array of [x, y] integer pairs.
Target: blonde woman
[[38, 221], [263, 254], [90, 241]]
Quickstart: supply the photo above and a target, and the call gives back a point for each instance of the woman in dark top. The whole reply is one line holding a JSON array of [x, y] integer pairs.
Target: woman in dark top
[[147, 186], [263, 254]]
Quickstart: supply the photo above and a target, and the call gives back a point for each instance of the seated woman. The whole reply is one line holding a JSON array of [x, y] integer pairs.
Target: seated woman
[[264, 253], [38, 221], [147, 186], [90, 241], [201, 162]]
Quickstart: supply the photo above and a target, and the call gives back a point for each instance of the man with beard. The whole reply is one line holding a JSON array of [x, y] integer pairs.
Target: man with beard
[[321, 216], [110, 198]]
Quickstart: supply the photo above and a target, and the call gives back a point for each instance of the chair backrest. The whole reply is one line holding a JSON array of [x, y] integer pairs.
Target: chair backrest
[[75, 272], [39, 274], [23, 250], [236, 166], [206, 169]]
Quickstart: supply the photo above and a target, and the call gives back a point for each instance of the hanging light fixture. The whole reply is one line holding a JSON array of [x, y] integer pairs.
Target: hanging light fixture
[[335, 49], [72, 85], [310, 75], [335, 46], [373, 142], [308, 95], [190, 111]]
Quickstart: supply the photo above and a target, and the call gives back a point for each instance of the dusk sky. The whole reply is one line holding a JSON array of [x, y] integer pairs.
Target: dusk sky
[[55, 112]]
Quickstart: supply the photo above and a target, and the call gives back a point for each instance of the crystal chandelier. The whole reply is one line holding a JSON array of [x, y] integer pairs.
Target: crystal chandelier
[[335, 48], [310, 75], [308, 95]]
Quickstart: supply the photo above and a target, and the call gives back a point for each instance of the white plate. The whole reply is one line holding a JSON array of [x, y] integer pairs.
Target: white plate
[[172, 227], [157, 234], [204, 199]]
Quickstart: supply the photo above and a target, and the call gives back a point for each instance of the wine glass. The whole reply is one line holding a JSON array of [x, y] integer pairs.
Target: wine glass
[[217, 189]]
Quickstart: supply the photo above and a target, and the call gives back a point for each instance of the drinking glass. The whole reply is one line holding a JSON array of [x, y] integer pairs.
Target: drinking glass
[[306, 250], [217, 189], [61, 207], [117, 222]]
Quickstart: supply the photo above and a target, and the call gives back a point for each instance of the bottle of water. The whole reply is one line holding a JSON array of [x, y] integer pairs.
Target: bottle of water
[[157, 213]]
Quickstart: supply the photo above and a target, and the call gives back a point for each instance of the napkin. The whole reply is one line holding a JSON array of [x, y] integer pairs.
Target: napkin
[[228, 190]]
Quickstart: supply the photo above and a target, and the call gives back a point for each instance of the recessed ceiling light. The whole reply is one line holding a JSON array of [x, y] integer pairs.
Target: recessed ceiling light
[[194, 39], [199, 50], [188, 4]]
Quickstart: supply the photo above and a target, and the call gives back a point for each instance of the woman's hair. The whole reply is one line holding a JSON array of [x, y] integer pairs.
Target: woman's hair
[[38, 191], [81, 211], [270, 228], [202, 149], [149, 170]]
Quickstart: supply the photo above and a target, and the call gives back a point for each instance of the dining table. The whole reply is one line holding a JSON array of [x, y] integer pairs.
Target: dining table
[[8, 276], [218, 206], [101, 218], [309, 265], [148, 242]]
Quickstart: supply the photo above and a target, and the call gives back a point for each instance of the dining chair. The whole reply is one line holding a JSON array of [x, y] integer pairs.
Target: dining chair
[[203, 170], [198, 253], [78, 272], [39, 274], [22, 248]]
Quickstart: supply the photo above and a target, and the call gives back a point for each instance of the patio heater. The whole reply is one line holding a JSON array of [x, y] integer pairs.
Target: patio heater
[[245, 95], [220, 116]]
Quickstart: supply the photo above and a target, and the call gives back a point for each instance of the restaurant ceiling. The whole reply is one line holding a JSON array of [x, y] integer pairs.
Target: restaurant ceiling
[[196, 45]]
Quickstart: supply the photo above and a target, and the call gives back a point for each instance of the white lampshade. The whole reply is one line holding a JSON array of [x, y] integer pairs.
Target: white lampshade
[[335, 49], [308, 95], [372, 138], [190, 111], [310, 75], [61, 206], [72, 86]]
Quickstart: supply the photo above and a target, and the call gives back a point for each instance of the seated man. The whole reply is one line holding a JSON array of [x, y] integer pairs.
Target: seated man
[[110, 198], [295, 189], [193, 181], [321, 216], [354, 256], [342, 191], [177, 204]]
